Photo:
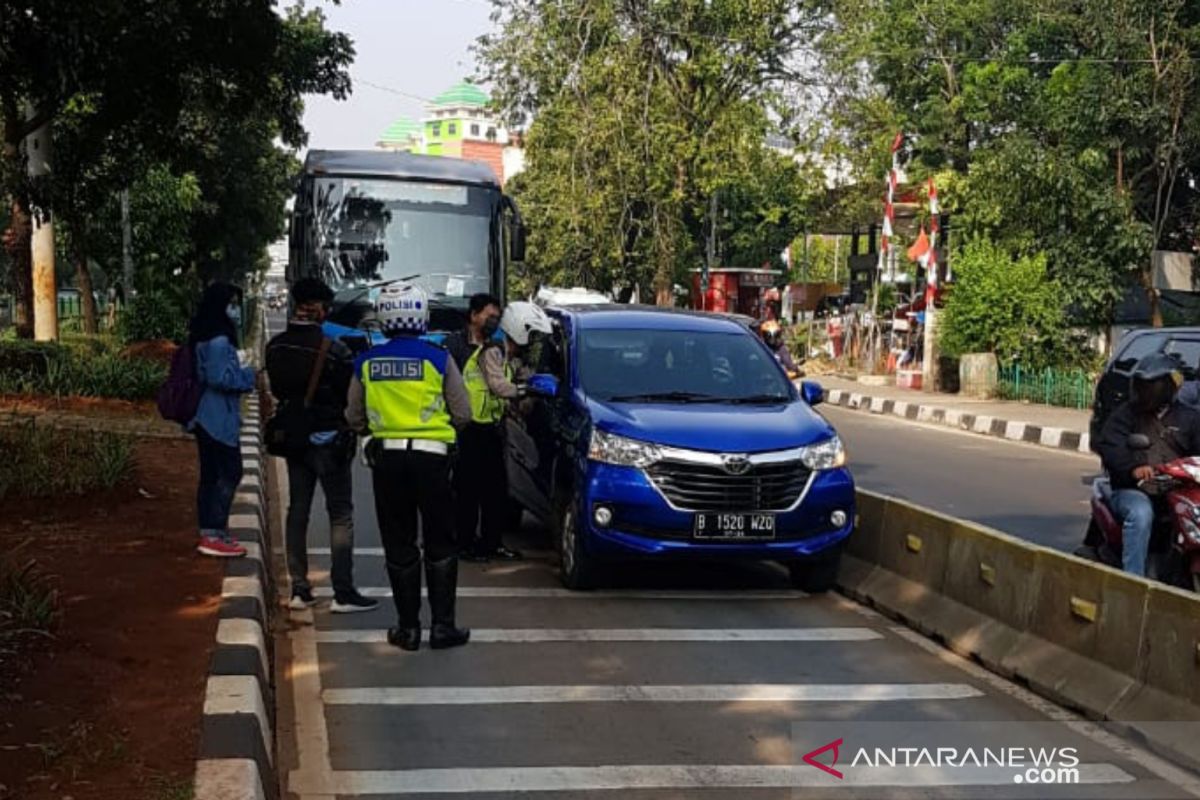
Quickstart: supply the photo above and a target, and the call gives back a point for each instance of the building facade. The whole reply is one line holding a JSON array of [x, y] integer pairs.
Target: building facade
[[458, 124]]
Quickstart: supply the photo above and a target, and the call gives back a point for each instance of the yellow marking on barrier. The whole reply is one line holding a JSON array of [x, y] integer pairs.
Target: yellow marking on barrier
[[1084, 609], [987, 573], [913, 543]]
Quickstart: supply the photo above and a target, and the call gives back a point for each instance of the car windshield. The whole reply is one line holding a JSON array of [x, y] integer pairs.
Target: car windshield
[[678, 367], [373, 230]]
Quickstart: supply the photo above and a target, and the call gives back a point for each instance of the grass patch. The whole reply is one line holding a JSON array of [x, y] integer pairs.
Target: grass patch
[[45, 462], [29, 604]]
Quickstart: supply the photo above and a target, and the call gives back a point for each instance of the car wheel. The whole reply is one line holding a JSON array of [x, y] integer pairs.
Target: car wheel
[[575, 569], [818, 574]]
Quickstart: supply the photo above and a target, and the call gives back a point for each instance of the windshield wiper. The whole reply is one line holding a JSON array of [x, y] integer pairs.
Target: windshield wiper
[[667, 397], [758, 399]]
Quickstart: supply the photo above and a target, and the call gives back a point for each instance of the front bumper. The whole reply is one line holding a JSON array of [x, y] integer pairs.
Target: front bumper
[[645, 525]]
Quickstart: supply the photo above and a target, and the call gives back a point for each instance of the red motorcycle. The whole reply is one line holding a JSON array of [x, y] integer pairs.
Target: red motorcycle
[[1174, 556]]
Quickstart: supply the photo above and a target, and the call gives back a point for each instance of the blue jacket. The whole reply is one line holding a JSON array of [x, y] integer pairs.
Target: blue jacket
[[224, 380]]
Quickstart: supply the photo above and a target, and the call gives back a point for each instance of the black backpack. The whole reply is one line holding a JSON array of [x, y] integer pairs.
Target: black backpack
[[289, 428]]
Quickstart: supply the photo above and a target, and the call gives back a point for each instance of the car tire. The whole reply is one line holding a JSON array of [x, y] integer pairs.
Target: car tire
[[818, 574], [575, 568]]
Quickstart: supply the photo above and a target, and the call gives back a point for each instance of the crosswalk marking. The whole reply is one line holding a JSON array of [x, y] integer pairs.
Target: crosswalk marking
[[532, 635], [677, 777], [547, 593], [715, 693]]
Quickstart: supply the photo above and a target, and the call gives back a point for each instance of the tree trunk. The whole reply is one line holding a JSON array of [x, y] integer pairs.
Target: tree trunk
[[83, 276], [17, 243]]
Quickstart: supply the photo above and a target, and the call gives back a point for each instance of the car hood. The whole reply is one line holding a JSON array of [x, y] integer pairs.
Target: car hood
[[712, 426]]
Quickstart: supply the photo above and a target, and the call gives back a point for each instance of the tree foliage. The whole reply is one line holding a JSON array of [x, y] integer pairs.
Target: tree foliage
[[1007, 306], [186, 104], [639, 112]]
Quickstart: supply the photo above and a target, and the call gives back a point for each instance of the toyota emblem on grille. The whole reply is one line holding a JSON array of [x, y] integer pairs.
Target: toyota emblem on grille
[[735, 465]]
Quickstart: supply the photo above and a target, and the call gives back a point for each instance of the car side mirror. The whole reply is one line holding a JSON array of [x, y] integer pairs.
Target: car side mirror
[[812, 393], [543, 386], [516, 244], [1138, 441]]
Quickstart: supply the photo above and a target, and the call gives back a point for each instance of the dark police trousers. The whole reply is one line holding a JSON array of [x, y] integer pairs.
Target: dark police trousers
[[481, 488], [411, 485]]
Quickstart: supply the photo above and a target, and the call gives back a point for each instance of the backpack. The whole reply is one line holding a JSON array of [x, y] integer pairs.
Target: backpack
[[289, 428], [179, 396]]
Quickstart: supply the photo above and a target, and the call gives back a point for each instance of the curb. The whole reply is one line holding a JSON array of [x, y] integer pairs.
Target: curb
[[237, 747], [1013, 430]]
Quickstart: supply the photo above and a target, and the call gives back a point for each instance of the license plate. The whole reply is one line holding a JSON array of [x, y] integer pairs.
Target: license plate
[[735, 526]]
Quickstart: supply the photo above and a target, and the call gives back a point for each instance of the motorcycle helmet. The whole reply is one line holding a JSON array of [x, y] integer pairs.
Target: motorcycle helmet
[[521, 319], [402, 310], [1154, 382], [772, 334]]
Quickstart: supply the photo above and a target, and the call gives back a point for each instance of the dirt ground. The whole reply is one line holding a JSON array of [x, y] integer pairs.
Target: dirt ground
[[91, 406], [110, 708]]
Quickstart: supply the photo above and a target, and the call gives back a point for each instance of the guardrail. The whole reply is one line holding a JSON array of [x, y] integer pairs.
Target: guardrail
[[1096, 640]]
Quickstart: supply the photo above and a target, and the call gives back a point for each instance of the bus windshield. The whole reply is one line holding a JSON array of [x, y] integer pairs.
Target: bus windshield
[[370, 230]]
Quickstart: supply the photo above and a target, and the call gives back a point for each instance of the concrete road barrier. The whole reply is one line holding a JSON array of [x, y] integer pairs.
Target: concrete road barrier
[[1091, 638]]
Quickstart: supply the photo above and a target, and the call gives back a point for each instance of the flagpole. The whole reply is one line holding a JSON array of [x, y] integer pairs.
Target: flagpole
[[929, 365]]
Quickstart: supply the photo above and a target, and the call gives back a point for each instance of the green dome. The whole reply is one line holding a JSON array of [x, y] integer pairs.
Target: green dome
[[465, 94], [401, 131]]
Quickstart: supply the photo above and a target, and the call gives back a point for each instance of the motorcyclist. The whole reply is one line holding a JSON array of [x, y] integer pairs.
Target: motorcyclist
[[772, 333], [1174, 432]]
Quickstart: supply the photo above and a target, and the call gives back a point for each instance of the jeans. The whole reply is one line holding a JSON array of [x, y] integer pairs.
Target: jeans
[[331, 465], [220, 474], [1136, 511], [480, 489]]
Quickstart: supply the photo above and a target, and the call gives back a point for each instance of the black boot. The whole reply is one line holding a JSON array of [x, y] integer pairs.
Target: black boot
[[443, 583], [406, 592]]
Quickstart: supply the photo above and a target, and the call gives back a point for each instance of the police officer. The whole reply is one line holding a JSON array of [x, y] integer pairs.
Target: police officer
[[409, 396]]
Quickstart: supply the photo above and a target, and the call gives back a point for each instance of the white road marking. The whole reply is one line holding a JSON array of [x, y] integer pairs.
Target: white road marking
[[377, 552], [534, 635], [714, 693], [614, 778], [1159, 767], [541, 593]]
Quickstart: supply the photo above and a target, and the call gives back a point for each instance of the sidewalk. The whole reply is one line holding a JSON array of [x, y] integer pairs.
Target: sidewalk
[[1049, 426]]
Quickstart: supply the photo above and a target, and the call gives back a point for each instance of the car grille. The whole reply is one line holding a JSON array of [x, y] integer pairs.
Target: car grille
[[699, 487]]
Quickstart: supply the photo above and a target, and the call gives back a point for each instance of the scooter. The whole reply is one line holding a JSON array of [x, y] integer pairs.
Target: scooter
[[1174, 556]]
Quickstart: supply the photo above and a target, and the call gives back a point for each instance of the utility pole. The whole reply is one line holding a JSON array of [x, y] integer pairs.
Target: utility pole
[[710, 261], [126, 245], [45, 287]]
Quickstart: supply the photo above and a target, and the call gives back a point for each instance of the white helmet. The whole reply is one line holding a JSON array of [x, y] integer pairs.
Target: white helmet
[[522, 318], [402, 309]]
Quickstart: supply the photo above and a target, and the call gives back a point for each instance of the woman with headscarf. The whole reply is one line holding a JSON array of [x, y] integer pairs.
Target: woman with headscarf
[[213, 337]]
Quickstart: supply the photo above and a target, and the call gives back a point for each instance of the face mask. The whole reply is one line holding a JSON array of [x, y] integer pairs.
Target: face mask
[[234, 313], [490, 326]]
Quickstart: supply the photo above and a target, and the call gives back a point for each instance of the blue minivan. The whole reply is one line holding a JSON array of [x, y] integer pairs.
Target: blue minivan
[[657, 434]]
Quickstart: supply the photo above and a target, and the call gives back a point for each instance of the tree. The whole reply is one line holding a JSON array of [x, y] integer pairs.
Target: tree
[[642, 111], [129, 85]]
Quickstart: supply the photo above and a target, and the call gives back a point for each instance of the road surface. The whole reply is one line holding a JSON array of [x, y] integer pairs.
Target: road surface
[[1031, 492], [674, 681]]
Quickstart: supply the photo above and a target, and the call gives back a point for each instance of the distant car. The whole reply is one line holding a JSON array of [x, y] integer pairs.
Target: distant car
[[1113, 386], [660, 435], [576, 296]]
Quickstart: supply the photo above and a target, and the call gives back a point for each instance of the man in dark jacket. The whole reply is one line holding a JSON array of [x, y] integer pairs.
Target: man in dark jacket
[[291, 358], [1174, 432]]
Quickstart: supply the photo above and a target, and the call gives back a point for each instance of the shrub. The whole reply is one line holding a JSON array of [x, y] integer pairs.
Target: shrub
[[1009, 307], [154, 315], [45, 462], [77, 370]]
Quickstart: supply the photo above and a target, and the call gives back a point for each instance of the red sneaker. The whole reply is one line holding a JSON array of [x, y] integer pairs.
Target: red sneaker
[[219, 548]]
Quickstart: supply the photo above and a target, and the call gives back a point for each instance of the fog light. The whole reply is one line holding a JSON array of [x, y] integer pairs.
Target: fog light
[[838, 518], [603, 516]]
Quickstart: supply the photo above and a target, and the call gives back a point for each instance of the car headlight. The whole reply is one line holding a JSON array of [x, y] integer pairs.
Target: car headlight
[[608, 448], [828, 454]]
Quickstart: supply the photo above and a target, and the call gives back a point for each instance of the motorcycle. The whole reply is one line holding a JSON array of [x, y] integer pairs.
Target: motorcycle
[[1174, 556]]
